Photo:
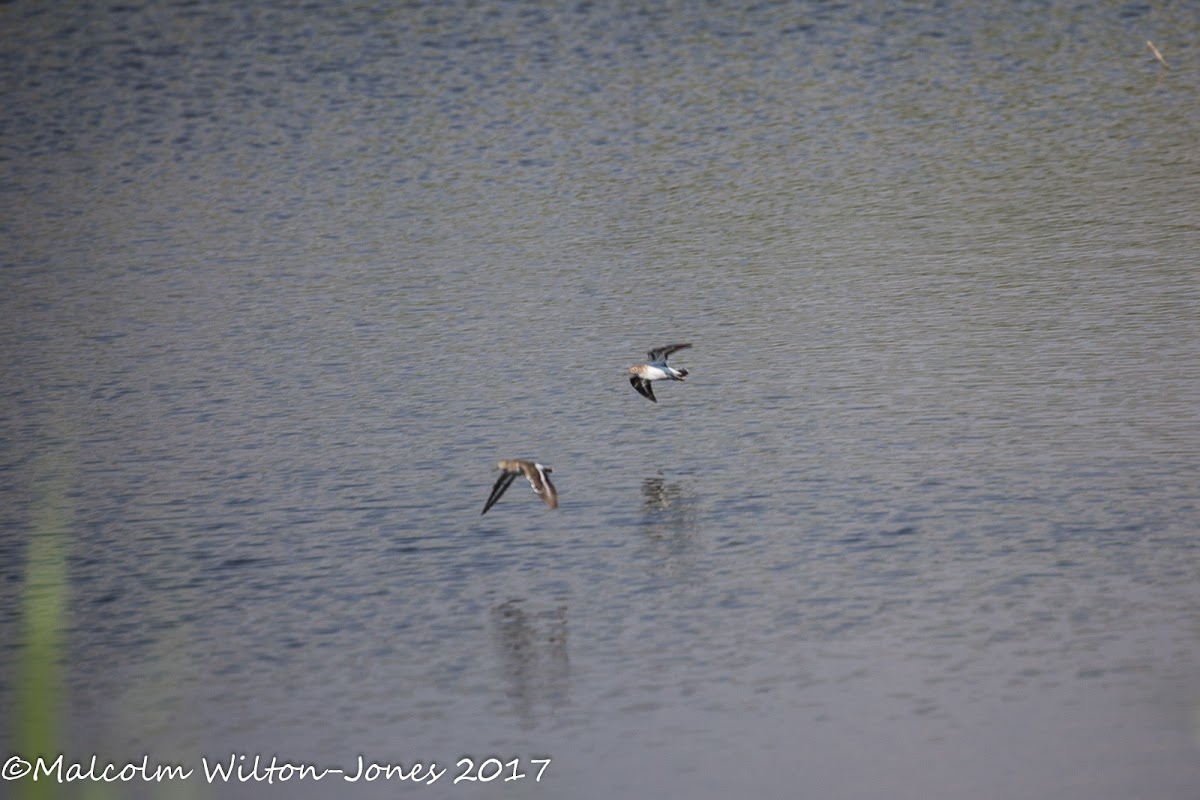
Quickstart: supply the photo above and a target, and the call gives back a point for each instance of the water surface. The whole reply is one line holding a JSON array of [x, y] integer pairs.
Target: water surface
[[281, 286]]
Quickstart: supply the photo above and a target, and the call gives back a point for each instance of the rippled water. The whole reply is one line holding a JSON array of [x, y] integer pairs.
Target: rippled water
[[281, 286]]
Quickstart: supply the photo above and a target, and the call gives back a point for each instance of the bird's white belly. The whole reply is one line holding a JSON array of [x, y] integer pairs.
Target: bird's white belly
[[656, 374]]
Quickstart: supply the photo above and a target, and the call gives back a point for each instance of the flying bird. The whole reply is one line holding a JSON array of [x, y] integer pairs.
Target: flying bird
[[539, 479], [656, 369]]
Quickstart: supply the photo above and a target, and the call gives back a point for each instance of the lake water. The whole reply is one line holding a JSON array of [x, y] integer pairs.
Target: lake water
[[281, 284]]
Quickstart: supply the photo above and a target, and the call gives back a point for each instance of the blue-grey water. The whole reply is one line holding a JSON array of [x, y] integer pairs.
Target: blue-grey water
[[281, 283]]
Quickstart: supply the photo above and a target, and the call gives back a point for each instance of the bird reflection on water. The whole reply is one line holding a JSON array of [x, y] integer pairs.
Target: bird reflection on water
[[670, 524], [531, 648]]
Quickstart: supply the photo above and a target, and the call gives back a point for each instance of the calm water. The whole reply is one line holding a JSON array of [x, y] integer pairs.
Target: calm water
[[280, 285]]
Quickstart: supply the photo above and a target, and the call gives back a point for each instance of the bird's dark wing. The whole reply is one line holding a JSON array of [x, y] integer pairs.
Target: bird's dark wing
[[498, 490], [643, 388], [662, 352]]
